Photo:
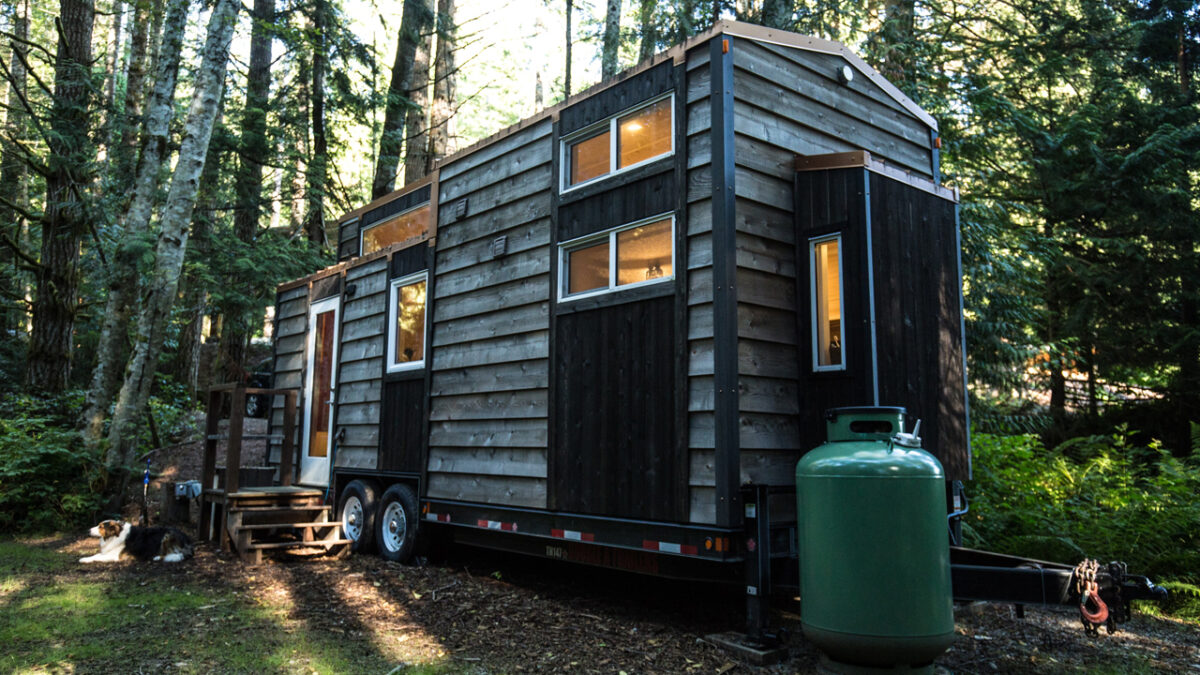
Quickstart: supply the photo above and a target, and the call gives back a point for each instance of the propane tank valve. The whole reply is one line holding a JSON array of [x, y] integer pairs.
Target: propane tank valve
[[909, 440]]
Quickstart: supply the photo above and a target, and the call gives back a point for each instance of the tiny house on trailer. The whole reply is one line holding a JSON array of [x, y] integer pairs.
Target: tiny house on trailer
[[608, 333]]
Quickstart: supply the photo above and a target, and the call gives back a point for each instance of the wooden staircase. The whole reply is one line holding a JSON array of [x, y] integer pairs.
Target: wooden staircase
[[282, 517]]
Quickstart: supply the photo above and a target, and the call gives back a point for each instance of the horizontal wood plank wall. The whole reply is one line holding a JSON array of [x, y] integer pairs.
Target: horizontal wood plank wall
[[360, 373], [291, 336], [914, 236], [489, 401], [348, 239], [699, 257], [789, 101]]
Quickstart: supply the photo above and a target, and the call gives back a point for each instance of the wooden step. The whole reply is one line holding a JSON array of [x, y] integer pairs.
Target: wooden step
[[268, 526], [263, 545], [282, 508]]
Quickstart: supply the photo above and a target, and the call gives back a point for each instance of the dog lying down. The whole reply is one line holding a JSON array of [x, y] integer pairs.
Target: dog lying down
[[165, 544]]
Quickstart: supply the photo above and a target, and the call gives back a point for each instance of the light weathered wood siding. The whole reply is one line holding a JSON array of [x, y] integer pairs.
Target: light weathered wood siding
[[491, 322], [360, 364], [291, 344], [699, 256], [786, 102]]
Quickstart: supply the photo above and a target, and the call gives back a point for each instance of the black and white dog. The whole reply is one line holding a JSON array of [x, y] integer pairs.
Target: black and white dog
[[165, 544]]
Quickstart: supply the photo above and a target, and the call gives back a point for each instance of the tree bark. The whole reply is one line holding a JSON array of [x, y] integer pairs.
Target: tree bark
[[318, 166], [570, 39], [778, 14], [125, 151], [414, 22], [13, 174], [253, 148], [114, 56], [159, 293], [123, 279], [63, 220], [649, 46], [612, 40], [442, 111], [416, 141]]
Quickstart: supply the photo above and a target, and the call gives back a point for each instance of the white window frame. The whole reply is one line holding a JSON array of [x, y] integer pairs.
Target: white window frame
[[609, 124], [567, 247], [362, 231], [812, 284], [393, 292]]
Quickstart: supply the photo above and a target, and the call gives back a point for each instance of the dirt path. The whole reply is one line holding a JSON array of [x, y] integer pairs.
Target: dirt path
[[489, 613]]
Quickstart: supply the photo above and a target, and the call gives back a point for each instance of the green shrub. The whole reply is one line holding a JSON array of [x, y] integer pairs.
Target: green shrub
[[47, 479], [1097, 496]]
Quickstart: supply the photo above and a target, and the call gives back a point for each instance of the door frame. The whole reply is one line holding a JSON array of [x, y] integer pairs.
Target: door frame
[[315, 470]]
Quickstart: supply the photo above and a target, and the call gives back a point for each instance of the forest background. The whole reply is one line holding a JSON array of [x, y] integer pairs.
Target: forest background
[[165, 163]]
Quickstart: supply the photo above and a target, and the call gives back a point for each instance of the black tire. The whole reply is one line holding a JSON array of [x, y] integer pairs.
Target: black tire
[[356, 510], [396, 523]]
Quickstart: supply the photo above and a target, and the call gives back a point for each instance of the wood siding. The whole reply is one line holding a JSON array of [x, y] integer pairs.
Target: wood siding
[[490, 344], [360, 365], [291, 344]]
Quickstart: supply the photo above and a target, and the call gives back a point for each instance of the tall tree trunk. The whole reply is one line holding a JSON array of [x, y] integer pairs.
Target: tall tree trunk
[[63, 219], [416, 141], [13, 176], [612, 40], [442, 111], [124, 271], [318, 166], [413, 24], [896, 36], [159, 292], [114, 56], [125, 152], [253, 148], [778, 14], [570, 40], [649, 45]]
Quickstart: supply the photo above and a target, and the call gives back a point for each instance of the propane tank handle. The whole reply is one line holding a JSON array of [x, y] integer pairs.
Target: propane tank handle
[[909, 440]]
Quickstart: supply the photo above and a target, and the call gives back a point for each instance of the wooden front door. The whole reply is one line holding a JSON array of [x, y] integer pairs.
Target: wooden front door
[[319, 390]]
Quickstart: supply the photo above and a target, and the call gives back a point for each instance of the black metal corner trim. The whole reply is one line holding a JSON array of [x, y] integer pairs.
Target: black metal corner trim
[[725, 366]]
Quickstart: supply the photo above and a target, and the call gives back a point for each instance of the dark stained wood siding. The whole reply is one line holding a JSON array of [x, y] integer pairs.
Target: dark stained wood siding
[[490, 344], [829, 202], [348, 242], [615, 451], [637, 89], [918, 319], [291, 344], [360, 364], [403, 425]]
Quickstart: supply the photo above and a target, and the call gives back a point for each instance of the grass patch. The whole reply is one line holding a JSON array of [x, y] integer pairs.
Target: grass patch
[[59, 616]]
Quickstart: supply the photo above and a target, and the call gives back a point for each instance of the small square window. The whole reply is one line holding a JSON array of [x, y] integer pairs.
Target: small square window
[[644, 253], [588, 268], [406, 339], [589, 158], [825, 258], [644, 134]]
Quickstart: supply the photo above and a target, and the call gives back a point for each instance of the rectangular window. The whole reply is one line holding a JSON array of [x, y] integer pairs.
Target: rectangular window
[[829, 336], [406, 338], [638, 253], [410, 224], [620, 142]]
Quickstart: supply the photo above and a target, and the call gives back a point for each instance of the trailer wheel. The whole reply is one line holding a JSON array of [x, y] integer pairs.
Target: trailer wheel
[[396, 524], [356, 510]]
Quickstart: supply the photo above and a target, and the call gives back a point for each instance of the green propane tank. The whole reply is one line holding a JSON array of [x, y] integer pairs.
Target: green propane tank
[[874, 550]]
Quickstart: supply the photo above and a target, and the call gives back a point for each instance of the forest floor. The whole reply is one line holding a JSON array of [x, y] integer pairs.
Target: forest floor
[[472, 612]]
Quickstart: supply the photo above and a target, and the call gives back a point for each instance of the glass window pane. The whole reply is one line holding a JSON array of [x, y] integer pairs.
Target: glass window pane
[[589, 158], [587, 268], [410, 323], [644, 253], [644, 134], [318, 439], [403, 227], [828, 302]]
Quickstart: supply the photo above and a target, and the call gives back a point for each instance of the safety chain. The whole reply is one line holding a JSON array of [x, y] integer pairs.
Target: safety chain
[[1092, 610]]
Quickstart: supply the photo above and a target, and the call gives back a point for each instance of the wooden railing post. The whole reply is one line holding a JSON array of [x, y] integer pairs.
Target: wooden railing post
[[233, 451], [212, 422], [288, 449]]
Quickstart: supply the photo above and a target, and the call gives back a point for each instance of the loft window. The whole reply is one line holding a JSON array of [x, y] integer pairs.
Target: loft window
[[829, 335], [626, 256], [621, 142], [406, 338], [399, 228]]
